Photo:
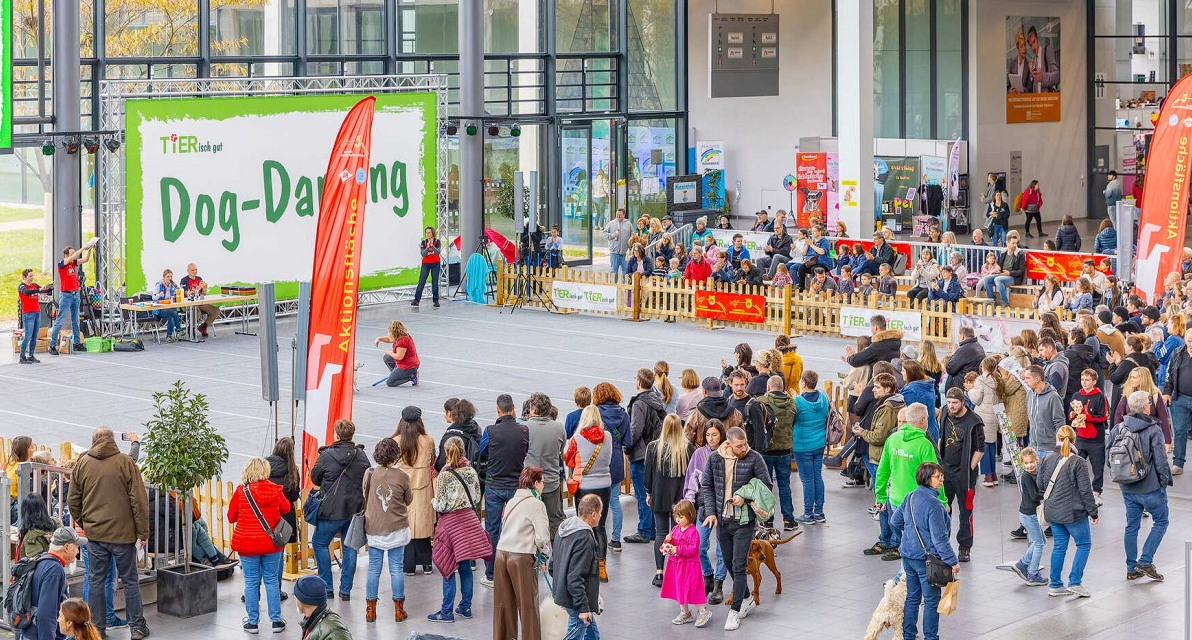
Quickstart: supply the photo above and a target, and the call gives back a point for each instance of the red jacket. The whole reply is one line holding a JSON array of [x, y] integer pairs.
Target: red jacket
[[1031, 196], [697, 271], [248, 538]]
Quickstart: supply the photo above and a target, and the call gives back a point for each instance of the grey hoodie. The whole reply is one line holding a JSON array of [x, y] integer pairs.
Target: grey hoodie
[[1045, 412], [1159, 474], [573, 566], [640, 408], [546, 448]]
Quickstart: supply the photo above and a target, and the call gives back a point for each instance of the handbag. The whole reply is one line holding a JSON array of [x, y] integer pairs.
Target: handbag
[[310, 507], [1046, 494], [939, 574], [279, 534], [573, 481], [354, 537]]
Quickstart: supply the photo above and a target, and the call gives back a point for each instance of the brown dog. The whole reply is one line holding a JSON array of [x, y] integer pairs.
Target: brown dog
[[762, 552]]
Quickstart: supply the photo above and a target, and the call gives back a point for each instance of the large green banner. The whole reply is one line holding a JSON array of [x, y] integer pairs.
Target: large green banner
[[6, 43], [233, 185]]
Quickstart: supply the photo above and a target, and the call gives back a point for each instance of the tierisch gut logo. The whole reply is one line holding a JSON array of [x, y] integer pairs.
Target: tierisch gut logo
[[175, 144]]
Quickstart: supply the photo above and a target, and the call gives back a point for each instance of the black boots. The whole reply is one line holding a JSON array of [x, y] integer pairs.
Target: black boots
[[707, 585], [717, 592]]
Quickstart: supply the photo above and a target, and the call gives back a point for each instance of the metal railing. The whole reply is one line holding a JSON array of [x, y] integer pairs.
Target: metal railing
[[678, 235]]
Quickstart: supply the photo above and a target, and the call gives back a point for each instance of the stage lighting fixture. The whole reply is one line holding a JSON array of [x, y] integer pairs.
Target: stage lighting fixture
[[72, 144], [493, 131], [112, 144], [47, 149], [515, 131], [452, 128], [472, 129], [91, 144]]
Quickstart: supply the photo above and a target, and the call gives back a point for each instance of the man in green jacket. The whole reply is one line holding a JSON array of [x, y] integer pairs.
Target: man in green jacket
[[902, 454], [318, 622]]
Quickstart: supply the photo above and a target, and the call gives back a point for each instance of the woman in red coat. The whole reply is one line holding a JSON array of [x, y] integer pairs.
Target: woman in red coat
[[259, 557]]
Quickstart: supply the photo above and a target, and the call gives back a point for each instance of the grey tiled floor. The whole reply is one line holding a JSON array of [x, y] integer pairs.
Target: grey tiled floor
[[830, 588]]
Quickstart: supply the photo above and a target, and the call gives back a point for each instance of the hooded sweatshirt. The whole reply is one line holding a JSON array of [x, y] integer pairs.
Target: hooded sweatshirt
[[107, 496], [811, 422], [616, 423], [783, 408], [1159, 471], [885, 420], [713, 407], [573, 566], [579, 451], [643, 409], [904, 451], [1046, 414]]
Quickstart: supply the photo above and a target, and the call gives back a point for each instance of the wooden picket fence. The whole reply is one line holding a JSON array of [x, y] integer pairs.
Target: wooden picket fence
[[787, 311]]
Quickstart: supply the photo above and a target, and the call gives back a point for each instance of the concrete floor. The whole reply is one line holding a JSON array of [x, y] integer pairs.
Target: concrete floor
[[830, 588]]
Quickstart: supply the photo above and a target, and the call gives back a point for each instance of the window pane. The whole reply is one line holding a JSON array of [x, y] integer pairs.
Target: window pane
[[651, 160], [918, 70], [322, 28], [362, 27], [513, 26], [259, 29], [428, 26], [886, 93], [584, 26], [141, 29], [651, 55], [949, 103]]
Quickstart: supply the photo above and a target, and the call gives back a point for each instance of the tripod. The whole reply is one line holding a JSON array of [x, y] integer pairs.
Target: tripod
[[523, 284], [490, 284]]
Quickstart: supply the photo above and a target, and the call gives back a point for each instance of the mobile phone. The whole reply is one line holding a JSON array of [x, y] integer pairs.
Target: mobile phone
[[125, 436]]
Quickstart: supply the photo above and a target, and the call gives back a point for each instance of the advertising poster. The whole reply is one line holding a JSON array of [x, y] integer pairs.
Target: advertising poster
[[585, 297], [854, 321], [755, 242], [730, 307], [1063, 265], [817, 176], [1032, 69], [895, 185], [234, 185], [993, 334], [709, 155]]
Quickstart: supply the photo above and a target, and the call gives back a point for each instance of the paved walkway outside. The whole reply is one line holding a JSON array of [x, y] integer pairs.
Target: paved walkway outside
[[830, 588]]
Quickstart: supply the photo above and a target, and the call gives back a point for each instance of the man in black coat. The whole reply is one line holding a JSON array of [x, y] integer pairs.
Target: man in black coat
[[573, 567], [504, 446], [886, 345], [720, 505], [967, 357], [339, 474], [961, 446], [778, 249]]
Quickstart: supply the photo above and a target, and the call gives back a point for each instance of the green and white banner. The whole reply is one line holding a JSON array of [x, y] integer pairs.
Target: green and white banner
[[233, 185], [586, 297], [854, 321]]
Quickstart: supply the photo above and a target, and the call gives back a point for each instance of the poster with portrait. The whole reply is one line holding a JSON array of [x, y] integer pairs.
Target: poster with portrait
[[1032, 69]]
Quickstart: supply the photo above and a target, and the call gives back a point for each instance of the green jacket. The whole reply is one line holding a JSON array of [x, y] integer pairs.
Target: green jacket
[[324, 624], [902, 454], [760, 495], [884, 422], [783, 408]]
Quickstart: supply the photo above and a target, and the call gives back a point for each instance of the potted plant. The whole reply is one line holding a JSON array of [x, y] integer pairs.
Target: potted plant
[[181, 451]]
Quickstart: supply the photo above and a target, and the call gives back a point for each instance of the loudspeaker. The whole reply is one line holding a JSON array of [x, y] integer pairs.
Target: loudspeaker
[[267, 319], [301, 342]]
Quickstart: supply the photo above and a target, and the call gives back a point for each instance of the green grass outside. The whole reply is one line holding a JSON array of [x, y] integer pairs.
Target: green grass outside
[[20, 250], [14, 214]]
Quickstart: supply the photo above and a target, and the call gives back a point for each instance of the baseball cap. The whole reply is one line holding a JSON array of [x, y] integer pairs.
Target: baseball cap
[[1152, 313], [712, 386], [66, 535], [955, 393]]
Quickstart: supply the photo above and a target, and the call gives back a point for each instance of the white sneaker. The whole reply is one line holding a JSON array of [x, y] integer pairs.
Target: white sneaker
[[747, 606], [486, 582], [702, 619], [733, 621]]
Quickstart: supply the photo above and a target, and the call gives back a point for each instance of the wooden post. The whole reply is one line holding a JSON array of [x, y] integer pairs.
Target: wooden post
[[636, 293], [501, 286], [786, 309]]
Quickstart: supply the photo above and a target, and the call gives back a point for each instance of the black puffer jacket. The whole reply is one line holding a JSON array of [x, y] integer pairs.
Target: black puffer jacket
[[885, 347], [967, 357], [277, 475], [1080, 357], [1067, 238], [712, 489], [344, 496], [469, 432], [1072, 498]]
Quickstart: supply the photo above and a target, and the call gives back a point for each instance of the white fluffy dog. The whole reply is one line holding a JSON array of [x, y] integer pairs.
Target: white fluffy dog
[[554, 618], [888, 614]]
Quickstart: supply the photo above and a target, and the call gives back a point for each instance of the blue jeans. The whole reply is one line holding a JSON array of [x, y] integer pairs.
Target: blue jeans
[[494, 506], [988, 462], [919, 592], [68, 306], [397, 577], [173, 320], [811, 475], [780, 472], [32, 323], [1034, 538], [1079, 533], [1155, 503], [616, 263], [256, 569], [1181, 414], [889, 537], [997, 235], [705, 541], [465, 588], [431, 270], [577, 630], [109, 585], [614, 508], [1001, 283], [645, 517], [325, 532]]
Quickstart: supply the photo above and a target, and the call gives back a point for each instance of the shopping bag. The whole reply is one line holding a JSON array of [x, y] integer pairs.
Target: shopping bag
[[950, 598]]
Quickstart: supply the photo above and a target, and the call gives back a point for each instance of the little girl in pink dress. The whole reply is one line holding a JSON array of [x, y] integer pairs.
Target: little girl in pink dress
[[683, 580]]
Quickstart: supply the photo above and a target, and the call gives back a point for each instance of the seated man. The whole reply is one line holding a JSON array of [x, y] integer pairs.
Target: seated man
[[194, 286], [167, 292]]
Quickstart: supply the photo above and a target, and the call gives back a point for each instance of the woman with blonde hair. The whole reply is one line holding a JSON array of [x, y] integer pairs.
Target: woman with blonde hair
[[666, 469], [74, 620], [664, 387], [1140, 379], [403, 360], [417, 460], [692, 394], [930, 361], [1066, 482], [255, 508], [1015, 401], [1173, 342]]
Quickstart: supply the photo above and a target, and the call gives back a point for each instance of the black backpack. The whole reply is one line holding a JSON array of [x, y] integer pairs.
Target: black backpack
[[758, 431], [19, 610], [652, 428]]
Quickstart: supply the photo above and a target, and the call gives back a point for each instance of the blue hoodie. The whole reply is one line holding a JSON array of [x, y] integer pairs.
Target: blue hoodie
[[933, 524], [616, 422], [924, 392], [811, 422]]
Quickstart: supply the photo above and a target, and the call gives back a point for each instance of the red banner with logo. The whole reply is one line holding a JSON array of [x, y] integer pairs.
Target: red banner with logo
[[1062, 265], [335, 282], [730, 307], [1165, 194], [811, 193]]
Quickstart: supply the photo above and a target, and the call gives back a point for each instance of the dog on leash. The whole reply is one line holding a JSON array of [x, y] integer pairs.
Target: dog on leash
[[761, 551], [553, 618], [888, 614]]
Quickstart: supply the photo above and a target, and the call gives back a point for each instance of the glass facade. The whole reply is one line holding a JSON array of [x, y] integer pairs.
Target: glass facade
[[919, 81], [612, 70]]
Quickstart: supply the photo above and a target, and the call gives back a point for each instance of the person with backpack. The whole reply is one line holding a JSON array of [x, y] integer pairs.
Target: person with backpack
[[1089, 416], [646, 411], [961, 447], [809, 436], [779, 415], [1068, 504], [713, 406], [1177, 392], [39, 587], [461, 417], [547, 438], [1138, 463]]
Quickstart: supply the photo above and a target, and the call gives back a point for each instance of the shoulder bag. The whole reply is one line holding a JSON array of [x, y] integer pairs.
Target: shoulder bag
[[939, 574], [574, 480], [279, 534], [310, 508], [467, 491], [1046, 494]]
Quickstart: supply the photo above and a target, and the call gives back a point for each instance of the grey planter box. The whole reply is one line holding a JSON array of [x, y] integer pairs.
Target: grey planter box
[[185, 595]]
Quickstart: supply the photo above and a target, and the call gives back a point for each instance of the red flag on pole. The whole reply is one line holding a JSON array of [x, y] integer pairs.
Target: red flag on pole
[[334, 283], [1165, 194]]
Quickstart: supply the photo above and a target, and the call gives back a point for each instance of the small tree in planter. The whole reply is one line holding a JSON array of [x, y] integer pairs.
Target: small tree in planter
[[182, 451]]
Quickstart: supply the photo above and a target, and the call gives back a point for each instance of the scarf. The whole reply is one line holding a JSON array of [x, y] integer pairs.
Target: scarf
[[730, 469]]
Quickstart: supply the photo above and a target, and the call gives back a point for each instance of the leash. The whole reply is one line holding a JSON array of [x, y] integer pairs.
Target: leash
[[541, 558]]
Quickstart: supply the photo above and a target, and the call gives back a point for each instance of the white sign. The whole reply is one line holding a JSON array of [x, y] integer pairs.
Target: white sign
[[709, 155], [993, 334], [854, 321], [586, 297], [755, 242], [685, 192]]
